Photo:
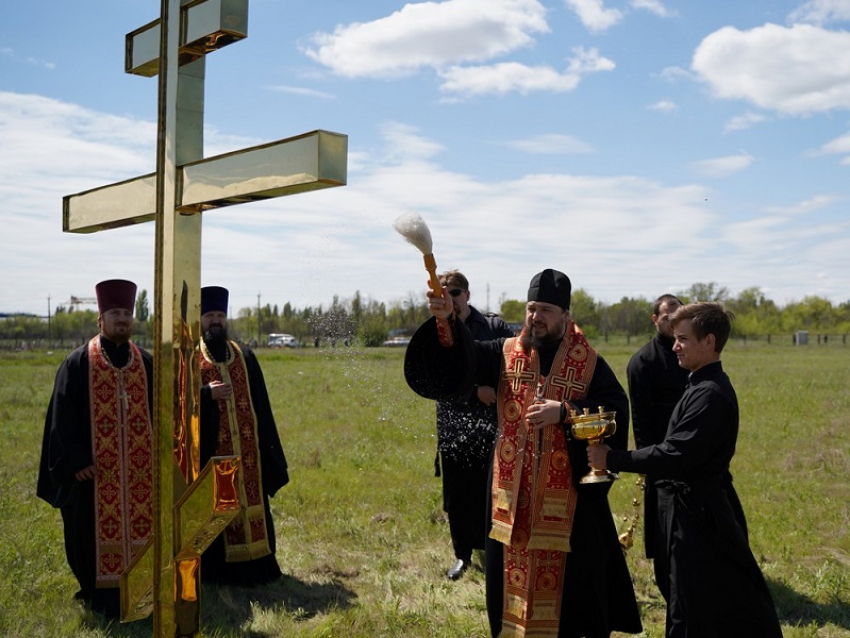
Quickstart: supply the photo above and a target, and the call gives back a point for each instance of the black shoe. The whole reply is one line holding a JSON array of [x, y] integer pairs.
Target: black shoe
[[456, 570]]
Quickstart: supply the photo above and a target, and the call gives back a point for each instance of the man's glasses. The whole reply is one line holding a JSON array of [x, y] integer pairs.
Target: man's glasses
[[455, 292]]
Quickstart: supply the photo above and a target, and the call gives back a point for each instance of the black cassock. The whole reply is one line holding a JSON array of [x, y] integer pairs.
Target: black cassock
[[275, 475], [598, 596], [703, 562], [466, 432], [656, 383], [67, 449]]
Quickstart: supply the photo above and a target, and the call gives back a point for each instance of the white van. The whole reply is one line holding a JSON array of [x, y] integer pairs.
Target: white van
[[282, 341]]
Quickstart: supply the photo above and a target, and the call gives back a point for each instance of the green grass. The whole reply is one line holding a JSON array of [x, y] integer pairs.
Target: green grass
[[361, 535]]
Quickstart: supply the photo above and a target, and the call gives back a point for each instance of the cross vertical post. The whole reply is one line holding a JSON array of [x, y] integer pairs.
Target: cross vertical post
[[191, 506], [176, 610]]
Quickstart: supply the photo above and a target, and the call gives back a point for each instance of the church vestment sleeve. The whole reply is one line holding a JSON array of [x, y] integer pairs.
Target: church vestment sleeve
[[272, 458], [435, 371], [66, 445], [699, 429]]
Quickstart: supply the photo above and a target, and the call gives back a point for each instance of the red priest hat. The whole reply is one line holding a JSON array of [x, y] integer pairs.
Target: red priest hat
[[115, 293]]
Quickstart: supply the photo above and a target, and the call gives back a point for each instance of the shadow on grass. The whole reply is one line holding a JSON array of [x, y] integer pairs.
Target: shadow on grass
[[231, 608], [795, 609], [227, 610]]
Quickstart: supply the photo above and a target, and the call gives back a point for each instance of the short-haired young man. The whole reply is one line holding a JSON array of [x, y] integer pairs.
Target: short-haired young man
[[704, 566]]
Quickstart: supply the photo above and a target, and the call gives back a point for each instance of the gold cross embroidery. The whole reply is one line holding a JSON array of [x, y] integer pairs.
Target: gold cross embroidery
[[569, 383], [519, 374]]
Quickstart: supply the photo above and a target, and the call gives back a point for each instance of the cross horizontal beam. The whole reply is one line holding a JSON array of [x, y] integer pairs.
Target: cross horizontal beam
[[206, 25], [293, 165]]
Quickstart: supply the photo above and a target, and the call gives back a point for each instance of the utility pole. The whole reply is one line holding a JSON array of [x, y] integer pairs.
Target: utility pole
[[48, 322], [259, 339]]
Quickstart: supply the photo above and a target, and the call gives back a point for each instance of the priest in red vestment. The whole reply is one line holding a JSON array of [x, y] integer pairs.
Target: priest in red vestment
[[237, 419], [554, 566], [97, 457]]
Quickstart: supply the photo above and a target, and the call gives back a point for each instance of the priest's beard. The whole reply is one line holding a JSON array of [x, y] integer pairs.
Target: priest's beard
[[548, 341], [215, 336]]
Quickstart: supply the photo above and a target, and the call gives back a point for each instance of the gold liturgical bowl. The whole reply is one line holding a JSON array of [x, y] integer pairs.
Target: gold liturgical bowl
[[593, 428]]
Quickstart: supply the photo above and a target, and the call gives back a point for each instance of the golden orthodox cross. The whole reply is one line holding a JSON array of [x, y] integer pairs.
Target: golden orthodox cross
[[190, 506]]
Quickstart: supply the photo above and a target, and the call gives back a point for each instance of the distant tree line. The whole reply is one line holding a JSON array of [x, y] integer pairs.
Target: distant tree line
[[369, 323]]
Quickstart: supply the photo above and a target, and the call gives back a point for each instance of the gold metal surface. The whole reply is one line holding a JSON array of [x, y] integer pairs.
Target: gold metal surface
[[189, 508], [294, 165], [197, 525], [207, 25], [299, 164], [113, 206], [136, 586], [171, 229], [187, 595], [593, 427]]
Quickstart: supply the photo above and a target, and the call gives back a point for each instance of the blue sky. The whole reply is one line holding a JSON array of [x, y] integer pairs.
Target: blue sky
[[640, 146]]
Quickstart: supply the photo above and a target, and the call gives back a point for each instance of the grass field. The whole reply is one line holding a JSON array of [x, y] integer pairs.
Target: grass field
[[361, 535]]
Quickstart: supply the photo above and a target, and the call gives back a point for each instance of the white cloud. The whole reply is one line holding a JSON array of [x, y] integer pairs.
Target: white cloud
[[508, 77], [744, 121], [663, 106], [821, 12], [810, 205], [589, 61], [837, 146], [653, 6], [593, 14], [723, 166], [298, 90], [552, 144], [429, 35], [307, 248], [408, 143], [45, 64], [673, 73], [13, 55], [505, 78], [796, 71]]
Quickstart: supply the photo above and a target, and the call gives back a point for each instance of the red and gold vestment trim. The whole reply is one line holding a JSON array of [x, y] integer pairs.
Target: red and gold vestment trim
[[246, 537], [534, 494], [123, 458], [444, 331]]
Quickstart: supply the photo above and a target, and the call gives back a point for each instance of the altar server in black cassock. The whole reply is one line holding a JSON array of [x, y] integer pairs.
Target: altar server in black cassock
[[234, 399], [656, 383], [70, 477], [590, 594], [704, 566]]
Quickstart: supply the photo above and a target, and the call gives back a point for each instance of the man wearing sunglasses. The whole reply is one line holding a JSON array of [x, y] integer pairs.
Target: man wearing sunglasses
[[466, 431]]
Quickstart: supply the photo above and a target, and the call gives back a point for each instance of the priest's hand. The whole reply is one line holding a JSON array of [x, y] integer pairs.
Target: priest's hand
[[86, 474], [220, 391], [543, 413], [440, 306], [597, 456], [486, 394]]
